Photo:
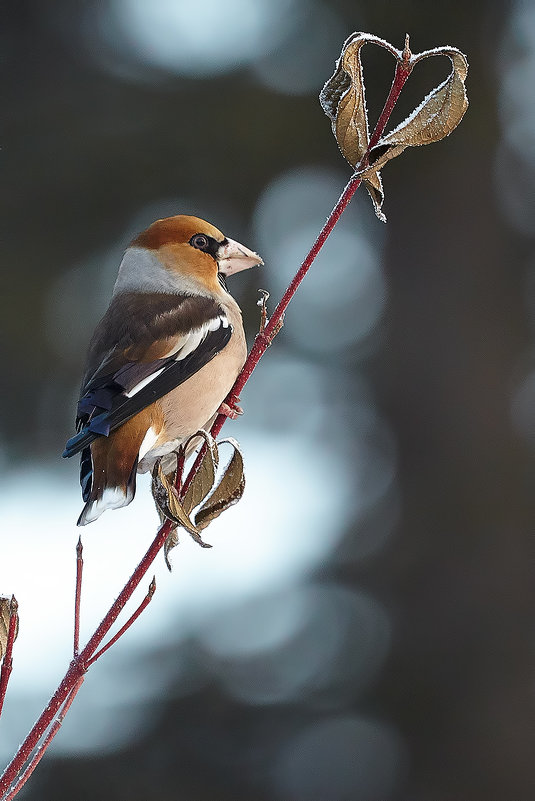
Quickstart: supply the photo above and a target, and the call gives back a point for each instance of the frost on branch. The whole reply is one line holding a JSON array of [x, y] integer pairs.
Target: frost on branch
[[209, 493], [343, 99]]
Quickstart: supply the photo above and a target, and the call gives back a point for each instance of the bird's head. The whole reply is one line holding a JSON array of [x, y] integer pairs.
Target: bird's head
[[182, 253]]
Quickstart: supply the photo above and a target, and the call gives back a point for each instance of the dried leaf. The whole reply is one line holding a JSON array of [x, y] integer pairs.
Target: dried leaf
[[228, 490], [374, 185], [204, 479], [212, 496], [170, 507], [164, 495], [343, 99], [5, 616], [346, 89], [159, 494], [436, 116], [170, 543]]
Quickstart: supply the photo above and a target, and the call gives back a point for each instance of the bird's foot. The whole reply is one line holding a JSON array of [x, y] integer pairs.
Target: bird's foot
[[229, 411]]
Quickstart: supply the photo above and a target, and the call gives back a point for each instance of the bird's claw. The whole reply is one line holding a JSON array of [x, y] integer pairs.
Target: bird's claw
[[229, 411]]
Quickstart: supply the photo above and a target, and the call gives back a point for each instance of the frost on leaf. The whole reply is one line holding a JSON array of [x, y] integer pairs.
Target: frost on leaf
[[343, 99], [8, 609], [207, 496], [436, 116], [167, 500], [204, 479], [228, 490]]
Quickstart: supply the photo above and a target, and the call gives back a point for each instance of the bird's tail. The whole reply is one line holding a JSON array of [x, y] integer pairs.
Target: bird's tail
[[106, 493]]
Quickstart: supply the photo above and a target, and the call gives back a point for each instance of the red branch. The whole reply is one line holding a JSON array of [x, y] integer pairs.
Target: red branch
[[74, 676], [7, 663], [78, 665], [39, 754]]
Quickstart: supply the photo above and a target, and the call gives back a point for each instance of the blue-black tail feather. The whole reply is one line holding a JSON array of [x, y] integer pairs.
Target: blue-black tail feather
[[86, 473]]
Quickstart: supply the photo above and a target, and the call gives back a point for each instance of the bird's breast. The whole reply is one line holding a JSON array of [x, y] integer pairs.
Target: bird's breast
[[193, 404]]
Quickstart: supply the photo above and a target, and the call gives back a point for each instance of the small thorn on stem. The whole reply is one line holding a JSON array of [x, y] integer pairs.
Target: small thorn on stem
[[406, 55]]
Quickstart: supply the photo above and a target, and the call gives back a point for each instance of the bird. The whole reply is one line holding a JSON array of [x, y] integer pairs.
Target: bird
[[161, 360]]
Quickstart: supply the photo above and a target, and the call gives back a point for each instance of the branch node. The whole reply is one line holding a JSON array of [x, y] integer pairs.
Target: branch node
[[265, 339]]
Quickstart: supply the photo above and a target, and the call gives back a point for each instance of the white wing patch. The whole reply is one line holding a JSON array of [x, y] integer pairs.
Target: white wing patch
[[197, 335]]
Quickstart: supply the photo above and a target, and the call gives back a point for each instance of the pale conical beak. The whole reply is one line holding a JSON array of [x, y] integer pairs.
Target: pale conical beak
[[233, 257]]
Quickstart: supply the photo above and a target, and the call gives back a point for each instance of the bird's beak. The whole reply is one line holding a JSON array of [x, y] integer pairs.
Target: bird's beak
[[232, 257]]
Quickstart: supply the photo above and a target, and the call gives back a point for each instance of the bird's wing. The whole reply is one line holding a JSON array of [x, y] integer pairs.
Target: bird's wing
[[145, 346]]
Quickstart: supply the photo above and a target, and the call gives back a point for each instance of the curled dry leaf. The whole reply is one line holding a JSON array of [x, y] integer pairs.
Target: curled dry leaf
[[343, 100], [157, 489], [436, 116], [228, 490], [170, 543], [207, 493], [6, 610], [167, 501], [204, 479]]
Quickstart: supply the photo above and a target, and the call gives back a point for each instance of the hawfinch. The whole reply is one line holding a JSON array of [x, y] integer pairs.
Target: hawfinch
[[162, 359]]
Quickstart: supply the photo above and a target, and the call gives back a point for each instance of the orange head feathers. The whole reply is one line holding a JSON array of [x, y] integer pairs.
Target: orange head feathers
[[191, 248]]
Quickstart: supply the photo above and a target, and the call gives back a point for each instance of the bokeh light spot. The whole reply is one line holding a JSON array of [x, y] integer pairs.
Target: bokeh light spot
[[199, 39], [318, 641], [340, 759]]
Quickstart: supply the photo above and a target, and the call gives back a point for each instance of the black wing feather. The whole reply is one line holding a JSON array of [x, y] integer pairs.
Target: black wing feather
[[107, 395]]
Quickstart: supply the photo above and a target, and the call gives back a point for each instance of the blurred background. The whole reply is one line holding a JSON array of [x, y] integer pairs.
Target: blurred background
[[363, 626]]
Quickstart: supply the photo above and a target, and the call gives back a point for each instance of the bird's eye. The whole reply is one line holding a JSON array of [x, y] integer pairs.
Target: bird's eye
[[200, 241]]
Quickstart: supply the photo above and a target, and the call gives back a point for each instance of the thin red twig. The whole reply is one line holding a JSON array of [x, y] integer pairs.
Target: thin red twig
[[7, 663], [78, 595], [39, 754], [80, 663], [403, 70], [144, 603]]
